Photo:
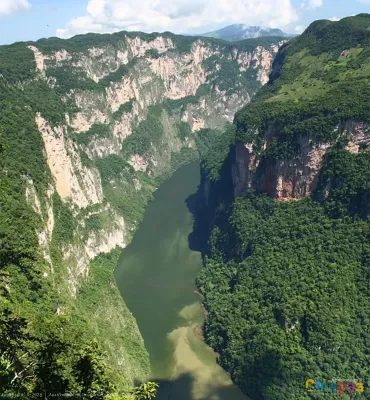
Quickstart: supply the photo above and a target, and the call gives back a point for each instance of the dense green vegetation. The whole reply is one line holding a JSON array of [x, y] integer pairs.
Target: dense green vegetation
[[68, 78], [346, 175], [286, 284], [320, 79], [40, 352], [98, 299], [148, 131], [184, 130], [117, 75], [152, 53], [16, 64], [213, 160], [228, 77], [97, 130], [286, 288], [51, 363], [123, 108], [127, 191]]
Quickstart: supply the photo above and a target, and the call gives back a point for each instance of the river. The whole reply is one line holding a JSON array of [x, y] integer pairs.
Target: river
[[155, 275]]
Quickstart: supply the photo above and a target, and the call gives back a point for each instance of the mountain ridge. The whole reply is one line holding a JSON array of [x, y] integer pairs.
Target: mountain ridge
[[236, 32]]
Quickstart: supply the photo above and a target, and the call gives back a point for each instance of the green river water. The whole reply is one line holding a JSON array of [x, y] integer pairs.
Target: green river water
[[155, 275]]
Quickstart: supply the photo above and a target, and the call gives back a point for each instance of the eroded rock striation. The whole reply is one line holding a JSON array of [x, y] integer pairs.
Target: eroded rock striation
[[294, 178]]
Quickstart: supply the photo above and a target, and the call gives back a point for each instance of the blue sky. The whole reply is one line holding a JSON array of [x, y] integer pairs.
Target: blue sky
[[33, 19]]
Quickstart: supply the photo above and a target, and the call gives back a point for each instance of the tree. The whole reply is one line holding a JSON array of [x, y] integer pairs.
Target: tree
[[50, 371], [145, 391], [16, 350], [90, 373]]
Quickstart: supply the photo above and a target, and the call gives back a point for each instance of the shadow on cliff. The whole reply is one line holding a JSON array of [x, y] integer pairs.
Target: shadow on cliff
[[198, 237], [181, 389], [209, 203]]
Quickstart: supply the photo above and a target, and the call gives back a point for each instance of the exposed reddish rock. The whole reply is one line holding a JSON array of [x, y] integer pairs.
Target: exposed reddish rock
[[290, 179], [205, 311]]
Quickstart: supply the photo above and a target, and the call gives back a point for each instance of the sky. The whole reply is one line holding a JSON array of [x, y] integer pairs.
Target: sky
[[22, 20]]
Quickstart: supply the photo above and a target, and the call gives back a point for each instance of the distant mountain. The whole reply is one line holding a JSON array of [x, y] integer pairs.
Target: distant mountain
[[236, 32]]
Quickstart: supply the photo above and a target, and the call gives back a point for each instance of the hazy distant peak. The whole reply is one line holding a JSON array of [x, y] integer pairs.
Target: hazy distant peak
[[240, 31]]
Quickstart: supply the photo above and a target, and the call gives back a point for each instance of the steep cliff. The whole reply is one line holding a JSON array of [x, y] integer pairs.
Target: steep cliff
[[291, 178], [127, 110], [90, 126], [285, 223], [316, 98]]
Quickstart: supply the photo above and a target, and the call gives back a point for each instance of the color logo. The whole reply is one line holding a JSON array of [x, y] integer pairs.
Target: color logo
[[334, 386]]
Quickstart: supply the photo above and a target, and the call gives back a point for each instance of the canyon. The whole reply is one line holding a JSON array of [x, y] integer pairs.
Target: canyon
[[155, 73], [109, 118]]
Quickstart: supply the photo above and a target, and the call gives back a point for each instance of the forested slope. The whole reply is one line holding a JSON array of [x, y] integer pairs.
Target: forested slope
[[286, 262]]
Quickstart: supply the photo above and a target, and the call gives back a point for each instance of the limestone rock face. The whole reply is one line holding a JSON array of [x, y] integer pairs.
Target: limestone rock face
[[65, 165], [115, 85], [290, 179]]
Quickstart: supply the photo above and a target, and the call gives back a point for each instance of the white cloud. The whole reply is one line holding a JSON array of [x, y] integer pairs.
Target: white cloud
[[363, 1], [8, 7], [186, 16], [299, 28], [334, 19], [311, 4]]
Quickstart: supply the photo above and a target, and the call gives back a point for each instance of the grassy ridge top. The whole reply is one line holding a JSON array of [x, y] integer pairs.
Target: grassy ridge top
[[325, 54], [80, 43], [322, 77], [17, 62], [325, 36], [182, 43]]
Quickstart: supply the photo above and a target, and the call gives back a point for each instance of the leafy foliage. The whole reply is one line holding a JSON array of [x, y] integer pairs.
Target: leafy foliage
[[184, 130], [147, 132], [326, 36], [225, 74], [145, 391], [117, 75], [278, 306], [97, 130], [346, 175], [152, 53], [90, 373], [123, 108], [17, 64], [119, 181], [54, 364], [68, 78]]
